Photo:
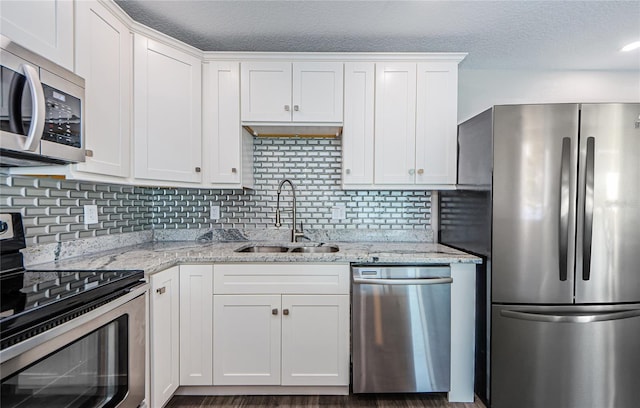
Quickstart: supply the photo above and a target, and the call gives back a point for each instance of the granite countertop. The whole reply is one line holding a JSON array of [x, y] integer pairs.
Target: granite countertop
[[157, 256]]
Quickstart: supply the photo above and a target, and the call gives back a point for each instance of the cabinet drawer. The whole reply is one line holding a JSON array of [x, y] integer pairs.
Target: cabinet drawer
[[281, 278]]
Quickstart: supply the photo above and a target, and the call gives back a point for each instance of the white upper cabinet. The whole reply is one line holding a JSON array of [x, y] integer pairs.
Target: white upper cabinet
[[167, 112], [292, 92], [227, 148], [395, 123], [44, 27], [357, 133], [104, 60]]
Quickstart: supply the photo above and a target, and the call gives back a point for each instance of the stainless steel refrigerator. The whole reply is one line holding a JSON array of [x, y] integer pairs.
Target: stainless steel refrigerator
[[549, 195]]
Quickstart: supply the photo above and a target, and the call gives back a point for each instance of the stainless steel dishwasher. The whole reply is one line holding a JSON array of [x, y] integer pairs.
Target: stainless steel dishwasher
[[401, 328]]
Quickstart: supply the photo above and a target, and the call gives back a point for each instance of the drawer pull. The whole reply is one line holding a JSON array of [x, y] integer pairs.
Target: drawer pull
[[161, 290]]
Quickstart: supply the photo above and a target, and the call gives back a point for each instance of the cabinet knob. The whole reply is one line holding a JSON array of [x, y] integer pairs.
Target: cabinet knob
[[161, 290], [285, 312], [420, 171], [348, 171], [274, 312], [287, 108], [88, 153], [198, 169], [296, 108], [234, 170], [412, 172]]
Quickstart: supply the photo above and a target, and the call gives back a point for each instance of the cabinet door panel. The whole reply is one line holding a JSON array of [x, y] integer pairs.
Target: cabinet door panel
[[164, 339], [266, 90], [246, 340], [395, 123], [103, 59], [168, 128], [317, 91], [436, 123], [315, 340], [196, 325], [357, 135], [44, 27]]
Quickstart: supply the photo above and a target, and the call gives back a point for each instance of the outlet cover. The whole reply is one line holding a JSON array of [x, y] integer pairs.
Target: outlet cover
[[338, 212], [90, 214], [215, 213]]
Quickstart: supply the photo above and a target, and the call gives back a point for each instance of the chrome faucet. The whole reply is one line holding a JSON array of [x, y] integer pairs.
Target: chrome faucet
[[295, 234]]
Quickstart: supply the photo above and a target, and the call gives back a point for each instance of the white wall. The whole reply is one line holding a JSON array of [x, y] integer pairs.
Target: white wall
[[480, 89]]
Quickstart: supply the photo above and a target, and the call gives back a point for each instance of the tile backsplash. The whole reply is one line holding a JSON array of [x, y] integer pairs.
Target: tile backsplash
[[53, 208]]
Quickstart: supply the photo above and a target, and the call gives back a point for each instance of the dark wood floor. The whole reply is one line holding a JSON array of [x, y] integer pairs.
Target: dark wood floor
[[324, 401]]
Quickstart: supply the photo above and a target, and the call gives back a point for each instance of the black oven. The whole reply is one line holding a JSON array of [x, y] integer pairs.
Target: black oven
[[69, 338]]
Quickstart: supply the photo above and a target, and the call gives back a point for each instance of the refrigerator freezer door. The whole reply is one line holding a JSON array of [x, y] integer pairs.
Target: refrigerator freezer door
[[608, 232], [534, 195], [567, 356]]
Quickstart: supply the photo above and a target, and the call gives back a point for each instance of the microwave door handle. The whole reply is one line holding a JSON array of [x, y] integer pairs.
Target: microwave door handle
[[37, 109]]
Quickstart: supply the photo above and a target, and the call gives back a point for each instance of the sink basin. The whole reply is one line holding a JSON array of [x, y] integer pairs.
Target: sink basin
[[316, 249], [295, 249], [263, 248]]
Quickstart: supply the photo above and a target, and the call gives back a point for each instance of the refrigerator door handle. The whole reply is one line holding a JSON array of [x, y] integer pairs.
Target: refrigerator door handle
[[574, 317], [563, 224], [588, 210]]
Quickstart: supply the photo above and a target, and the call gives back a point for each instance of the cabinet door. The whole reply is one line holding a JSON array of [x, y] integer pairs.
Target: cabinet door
[[357, 134], [246, 339], [315, 340], [221, 121], [317, 91], [436, 123], [395, 123], [167, 112], [44, 27], [196, 325], [164, 348], [103, 59], [266, 91]]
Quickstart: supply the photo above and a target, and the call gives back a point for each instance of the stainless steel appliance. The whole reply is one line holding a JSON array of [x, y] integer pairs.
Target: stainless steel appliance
[[40, 110], [401, 329], [550, 196], [68, 338]]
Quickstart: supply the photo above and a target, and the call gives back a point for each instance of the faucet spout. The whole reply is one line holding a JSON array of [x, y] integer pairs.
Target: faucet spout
[[295, 234]]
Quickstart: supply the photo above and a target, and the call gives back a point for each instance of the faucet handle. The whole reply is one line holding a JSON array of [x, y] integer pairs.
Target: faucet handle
[[301, 228]]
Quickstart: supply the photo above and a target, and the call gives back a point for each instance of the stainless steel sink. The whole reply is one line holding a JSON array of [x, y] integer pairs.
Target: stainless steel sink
[[263, 248], [316, 249]]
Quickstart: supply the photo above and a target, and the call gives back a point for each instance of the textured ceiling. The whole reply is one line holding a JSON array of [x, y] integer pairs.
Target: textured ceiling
[[496, 34]]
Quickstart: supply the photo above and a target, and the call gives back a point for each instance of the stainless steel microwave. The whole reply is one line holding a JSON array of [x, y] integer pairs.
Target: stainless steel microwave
[[40, 111]]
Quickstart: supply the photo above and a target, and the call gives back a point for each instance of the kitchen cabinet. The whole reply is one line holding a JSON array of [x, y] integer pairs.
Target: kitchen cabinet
[[44, 27], [228, 149], [358, 129], [167, 112], [292, 92], [196, 319], [104, 60], [281, 324], [164, 328]]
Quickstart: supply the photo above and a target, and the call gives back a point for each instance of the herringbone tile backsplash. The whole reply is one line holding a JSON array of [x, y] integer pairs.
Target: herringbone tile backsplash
[[53, 209]]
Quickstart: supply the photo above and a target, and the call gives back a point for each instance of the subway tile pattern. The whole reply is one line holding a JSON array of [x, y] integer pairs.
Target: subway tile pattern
[[53, 208]]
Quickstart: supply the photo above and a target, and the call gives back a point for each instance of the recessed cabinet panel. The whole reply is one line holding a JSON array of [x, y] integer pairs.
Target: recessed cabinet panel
[[103, 59], [395, 123], [357, 134], [246, 342], [167, 97]]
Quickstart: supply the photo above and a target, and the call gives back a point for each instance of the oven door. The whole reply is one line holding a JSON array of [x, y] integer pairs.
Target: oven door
[[94, 360]]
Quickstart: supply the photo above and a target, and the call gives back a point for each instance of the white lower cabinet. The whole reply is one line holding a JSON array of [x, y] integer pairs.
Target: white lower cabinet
[[281, 324], [196, 331], [164, 349]]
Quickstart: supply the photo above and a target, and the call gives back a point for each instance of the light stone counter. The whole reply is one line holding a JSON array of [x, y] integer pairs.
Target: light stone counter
[[155, 257]]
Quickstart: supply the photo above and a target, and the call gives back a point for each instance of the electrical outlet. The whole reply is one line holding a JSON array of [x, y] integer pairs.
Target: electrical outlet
[[90, 214], [338, 212], [215, 213]]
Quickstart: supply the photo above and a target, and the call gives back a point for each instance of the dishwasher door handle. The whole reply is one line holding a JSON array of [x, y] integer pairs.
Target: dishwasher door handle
[[423, 281]]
